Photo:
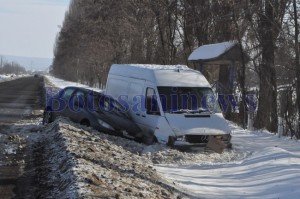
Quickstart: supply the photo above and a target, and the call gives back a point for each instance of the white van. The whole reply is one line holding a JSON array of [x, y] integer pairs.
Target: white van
[[172, 104]]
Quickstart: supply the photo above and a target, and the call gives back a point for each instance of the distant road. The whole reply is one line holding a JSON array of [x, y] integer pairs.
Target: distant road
[[18, 98]]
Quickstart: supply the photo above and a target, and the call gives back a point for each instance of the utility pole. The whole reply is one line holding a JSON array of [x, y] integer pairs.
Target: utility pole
[[1, 65]]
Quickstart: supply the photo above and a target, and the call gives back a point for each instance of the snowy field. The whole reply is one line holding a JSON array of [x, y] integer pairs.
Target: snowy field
[[261, 165]]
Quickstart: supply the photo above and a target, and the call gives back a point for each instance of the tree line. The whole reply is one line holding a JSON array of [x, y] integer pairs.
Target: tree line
[[11, 68], [96, 34]]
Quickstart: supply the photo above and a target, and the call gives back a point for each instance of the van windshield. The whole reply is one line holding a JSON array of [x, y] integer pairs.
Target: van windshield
[[188, 100]]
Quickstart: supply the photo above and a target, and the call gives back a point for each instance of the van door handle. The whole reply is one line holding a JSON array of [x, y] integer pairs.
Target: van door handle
[[143, 115], [138, 114]]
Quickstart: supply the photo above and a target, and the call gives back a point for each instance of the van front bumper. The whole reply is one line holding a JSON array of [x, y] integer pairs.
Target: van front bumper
[[198, 140]]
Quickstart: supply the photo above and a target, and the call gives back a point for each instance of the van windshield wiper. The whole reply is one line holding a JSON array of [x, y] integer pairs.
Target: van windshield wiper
[[180, 111], [200, 110]]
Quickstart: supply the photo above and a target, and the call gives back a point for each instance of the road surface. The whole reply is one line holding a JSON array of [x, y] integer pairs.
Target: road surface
[[18, 100]]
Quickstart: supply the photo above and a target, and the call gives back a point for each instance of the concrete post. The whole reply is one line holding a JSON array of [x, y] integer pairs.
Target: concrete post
[[280, 126], [250, 121]]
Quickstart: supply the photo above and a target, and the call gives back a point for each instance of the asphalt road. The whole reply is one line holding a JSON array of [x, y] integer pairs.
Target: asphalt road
[[18, 100]]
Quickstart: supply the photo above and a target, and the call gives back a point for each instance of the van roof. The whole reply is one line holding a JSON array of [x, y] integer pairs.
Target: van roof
[[162, 75]]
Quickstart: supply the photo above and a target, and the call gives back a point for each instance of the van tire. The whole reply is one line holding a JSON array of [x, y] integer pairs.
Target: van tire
[[85, 123], [149, 140], [171, 141]]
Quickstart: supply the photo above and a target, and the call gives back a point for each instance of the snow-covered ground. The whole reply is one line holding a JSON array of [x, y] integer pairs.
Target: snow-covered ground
[[79, 162], [5, 77], [59, 83], [9, 77], [270, 169], [261, 165]]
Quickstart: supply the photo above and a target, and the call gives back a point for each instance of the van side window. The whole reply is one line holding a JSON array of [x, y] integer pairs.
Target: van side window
[[68, 93], [79, 98], [151, 102]]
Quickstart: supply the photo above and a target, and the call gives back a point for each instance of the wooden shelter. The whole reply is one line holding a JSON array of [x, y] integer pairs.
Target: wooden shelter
[[217, 62], [225, 55]]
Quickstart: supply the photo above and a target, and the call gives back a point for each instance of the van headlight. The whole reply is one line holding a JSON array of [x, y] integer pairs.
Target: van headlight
[[181, 138], [226, 137], [104, 124]]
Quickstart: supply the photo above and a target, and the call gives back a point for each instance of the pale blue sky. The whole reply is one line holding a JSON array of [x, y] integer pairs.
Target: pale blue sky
[[29, 27]]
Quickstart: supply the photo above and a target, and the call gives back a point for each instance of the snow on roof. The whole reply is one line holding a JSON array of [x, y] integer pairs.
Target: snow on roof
[[154, 67], [211, 51], [162, 75]]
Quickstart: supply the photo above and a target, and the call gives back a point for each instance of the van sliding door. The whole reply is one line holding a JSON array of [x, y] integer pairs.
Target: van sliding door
[[136, 98]]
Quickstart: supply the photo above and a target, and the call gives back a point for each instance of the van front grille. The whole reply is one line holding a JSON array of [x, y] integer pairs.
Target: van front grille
[[205, 138], [197, 138]]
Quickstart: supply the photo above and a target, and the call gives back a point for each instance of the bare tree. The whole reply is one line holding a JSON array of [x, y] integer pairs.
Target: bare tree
[[167, 31], [11, 68], [270, 17], [297, 60]]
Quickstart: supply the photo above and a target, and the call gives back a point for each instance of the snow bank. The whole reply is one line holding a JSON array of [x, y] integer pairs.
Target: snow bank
[[81, 162], [59, 83], [5, 77], [9, 77]]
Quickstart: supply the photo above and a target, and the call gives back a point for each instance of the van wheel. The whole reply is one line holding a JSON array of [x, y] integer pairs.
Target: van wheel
[[48, 116], [85, 123], [171, 141], [149, 140]]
